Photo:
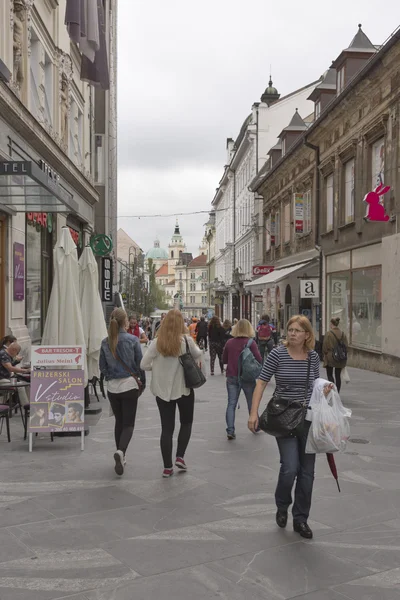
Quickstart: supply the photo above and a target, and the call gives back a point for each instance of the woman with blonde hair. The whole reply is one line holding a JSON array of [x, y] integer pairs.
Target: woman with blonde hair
[[243, 334], [120, 357], [295, 365], [168, 386]]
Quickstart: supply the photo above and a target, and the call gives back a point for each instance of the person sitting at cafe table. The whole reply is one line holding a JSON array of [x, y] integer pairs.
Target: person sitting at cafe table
[[8, 369], [5, 343]]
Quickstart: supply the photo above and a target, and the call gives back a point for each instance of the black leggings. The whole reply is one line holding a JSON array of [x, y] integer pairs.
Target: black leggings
[[124, 407], [338, 382], [216, 348], [167, 414]]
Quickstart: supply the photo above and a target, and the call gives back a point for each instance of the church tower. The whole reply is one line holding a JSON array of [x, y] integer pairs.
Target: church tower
[[175, 249]]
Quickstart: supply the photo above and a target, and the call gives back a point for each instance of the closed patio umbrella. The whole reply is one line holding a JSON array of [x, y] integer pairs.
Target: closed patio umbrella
[[64, 324], [94, 325]]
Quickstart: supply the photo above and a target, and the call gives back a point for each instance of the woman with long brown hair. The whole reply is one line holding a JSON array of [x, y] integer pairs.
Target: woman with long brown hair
[[168, 386], [120, 357]]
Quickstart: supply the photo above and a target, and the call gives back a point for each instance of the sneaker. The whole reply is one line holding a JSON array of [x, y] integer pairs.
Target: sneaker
[[180, 463], [124, 461], [168, 472], [119, 462], [231, 436]]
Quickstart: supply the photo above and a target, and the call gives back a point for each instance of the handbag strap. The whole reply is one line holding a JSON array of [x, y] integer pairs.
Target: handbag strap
[[135, 377], [308, 377]]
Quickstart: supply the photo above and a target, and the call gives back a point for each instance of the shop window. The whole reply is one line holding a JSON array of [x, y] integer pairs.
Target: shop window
[[348, 171], [367, 308], [378, 163], [329, 202], [338, 300]]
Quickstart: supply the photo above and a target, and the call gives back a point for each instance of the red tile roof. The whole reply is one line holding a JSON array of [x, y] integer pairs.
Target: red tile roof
[[199, 261], [162, 270]]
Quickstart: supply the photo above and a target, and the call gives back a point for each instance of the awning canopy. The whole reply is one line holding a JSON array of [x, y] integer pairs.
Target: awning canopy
[[25, 187], [277, 275]]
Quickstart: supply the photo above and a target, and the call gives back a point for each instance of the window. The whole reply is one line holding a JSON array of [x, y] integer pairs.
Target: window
[[378, 163], [192, 287], [192, 275], [277, 228], [79, 137], [329, 202], [268, 233], [286, 217], [340, 80], [204, 275], [204, 299], [48, 87], [349, 191], [35, 79], [180, 274], [317, 108], [338, 299], [192, 299], [307, 211], [172, 254], [283, 146], [99, 159]]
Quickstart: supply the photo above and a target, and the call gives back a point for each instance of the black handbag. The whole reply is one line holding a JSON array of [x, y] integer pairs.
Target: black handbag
[[194, 377], [283, 416]]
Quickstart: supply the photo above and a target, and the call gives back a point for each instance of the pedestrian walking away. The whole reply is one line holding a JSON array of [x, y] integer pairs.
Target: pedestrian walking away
[[201, 332], [168, 386], [264, 336], [243, 332], [120, 357], [216, 338], [227, 325], [334, 351], [293, 364]]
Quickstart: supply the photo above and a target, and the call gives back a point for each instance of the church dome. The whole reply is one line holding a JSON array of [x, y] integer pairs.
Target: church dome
[[156, 252]]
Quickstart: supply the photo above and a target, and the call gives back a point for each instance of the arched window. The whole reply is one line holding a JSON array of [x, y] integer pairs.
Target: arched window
[[172, 254]]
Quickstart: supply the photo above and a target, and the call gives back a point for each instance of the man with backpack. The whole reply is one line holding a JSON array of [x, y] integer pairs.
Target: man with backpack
[[265, 336], [244, 363], [334, 350]]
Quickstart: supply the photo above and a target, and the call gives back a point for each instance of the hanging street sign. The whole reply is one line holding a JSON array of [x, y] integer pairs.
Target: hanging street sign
[[309, 288], [101, 244]]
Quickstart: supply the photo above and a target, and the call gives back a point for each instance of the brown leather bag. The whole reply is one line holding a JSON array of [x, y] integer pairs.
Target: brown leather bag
[[135, 377]]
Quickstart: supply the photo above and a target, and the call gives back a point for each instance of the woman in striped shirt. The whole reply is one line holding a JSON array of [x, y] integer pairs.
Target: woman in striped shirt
[[289, 364]]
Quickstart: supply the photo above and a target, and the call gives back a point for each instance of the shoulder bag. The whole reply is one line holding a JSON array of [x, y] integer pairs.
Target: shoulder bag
[[194, 377], [283, 416], [135, 377]]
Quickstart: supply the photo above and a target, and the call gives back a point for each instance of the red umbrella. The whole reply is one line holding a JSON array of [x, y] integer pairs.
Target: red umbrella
[[332, 465]]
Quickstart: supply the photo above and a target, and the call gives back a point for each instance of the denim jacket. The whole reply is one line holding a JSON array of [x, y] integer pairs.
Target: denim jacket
[[129, 351]]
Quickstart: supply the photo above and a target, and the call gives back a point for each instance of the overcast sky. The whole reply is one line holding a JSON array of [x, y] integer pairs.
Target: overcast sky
[[188, 74]]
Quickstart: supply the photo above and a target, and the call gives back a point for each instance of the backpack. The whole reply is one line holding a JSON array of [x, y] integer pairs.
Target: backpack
[[249, 368], [264, 331], [339, 352]]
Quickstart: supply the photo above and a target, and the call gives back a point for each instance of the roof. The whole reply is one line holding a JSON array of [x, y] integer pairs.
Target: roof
[[157, 253], [328, 84], [296, 124], [199, 261], [359, 44], [162, 270]]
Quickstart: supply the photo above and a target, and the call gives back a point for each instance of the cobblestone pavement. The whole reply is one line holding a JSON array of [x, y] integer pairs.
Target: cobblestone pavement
[[70, 528]]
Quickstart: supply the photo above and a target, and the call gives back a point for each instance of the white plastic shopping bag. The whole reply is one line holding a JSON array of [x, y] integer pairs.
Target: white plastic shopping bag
[[345, 375], [330, 428]]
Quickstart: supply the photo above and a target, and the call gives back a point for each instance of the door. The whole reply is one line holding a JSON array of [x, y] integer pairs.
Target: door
[[235, 306], [2, 275]]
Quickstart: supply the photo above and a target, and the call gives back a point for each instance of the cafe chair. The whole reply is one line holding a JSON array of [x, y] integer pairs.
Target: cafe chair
[[5, 416], [93, 382]]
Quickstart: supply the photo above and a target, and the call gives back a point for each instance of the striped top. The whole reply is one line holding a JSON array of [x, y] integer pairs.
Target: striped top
[[290, 374]]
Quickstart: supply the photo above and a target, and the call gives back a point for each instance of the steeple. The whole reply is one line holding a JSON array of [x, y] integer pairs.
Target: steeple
[[177, 232], [271, 94]]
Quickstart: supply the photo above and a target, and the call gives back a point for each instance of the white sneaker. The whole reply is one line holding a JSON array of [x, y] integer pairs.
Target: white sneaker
[[119, 462]]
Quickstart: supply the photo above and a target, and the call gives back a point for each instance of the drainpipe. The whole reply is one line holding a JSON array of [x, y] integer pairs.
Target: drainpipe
[[233, 171], [257, 104], [317, 240]]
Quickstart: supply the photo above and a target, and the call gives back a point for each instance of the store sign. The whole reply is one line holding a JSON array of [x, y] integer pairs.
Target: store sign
[[375, 209], [51, 174], [57, 356], [262, 270], [44, 220], [101, 244], [309, 288], [299, 213], [57, 401], [106, 279], [258, 298], [19, 271], [338, 288]]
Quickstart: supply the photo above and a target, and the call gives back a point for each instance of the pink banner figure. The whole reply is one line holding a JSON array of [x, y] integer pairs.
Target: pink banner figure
[[375, 209]]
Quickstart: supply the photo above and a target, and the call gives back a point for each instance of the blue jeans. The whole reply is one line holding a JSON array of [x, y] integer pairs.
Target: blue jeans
[[234, 387], [295, 463]]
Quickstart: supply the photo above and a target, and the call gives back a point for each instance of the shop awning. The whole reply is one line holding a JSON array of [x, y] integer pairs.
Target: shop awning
[[277, 275], [25, 187]]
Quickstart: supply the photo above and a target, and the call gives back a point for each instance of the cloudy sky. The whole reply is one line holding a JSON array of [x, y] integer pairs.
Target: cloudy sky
[[189, 73]]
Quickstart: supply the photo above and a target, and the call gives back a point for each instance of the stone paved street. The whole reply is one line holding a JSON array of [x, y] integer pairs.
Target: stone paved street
[[70, 528]]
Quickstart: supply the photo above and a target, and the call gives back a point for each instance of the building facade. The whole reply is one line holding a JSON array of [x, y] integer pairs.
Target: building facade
[[319, 224], [47, 168], [239, 211]]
